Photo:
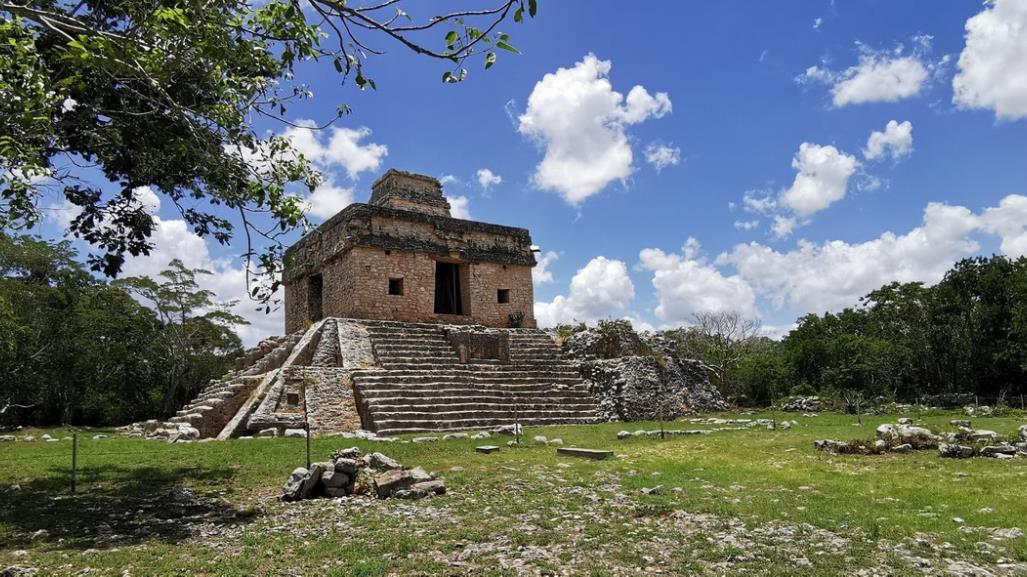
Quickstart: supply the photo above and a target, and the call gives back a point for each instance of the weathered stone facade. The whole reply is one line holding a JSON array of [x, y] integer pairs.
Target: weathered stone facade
[[403, 257]]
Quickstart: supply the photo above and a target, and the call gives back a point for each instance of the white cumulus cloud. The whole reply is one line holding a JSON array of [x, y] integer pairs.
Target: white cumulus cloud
[[459, 207], [686, 284], [486, 178], [879, 76], [581, 122], [600, 290], [992, 69], [822, 179], [342, 148], [1008, 220], [895, 142], [835, 274], [328, 199], [173, 238], [541, 273], [661, 156]]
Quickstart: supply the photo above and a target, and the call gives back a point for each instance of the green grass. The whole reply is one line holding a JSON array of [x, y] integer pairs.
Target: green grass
[[733, 502]]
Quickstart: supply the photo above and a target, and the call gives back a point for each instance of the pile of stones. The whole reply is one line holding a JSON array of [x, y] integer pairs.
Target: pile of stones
[[968, 442], [904, 437], [638, 377], [157, 430], [350, 473], [803, 405], [656, 433]]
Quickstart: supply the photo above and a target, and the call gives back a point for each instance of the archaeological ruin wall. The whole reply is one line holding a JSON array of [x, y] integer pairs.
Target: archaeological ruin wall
[[403, 257]]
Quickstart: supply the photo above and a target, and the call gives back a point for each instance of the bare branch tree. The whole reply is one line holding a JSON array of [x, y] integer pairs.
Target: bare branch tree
[[724, 338], [7, 405]]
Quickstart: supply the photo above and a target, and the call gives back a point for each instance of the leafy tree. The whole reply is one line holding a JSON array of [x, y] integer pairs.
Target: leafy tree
[[71, 336], [80, 351], [197, 335], [964, 335], [162, 93], [761, 375]]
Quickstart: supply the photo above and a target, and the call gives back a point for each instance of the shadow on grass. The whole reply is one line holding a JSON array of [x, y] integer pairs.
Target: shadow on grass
[[116, 506]]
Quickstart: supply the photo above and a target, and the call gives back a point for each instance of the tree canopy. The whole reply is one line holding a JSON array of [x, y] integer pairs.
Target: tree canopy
[[163, 93], [79, 350]]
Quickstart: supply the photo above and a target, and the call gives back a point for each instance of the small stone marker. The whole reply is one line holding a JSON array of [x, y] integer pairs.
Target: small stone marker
[[587, 453], [486, 449]]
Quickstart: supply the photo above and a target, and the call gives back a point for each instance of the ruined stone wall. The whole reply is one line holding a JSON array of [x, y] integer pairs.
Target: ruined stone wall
[[486, 279], [356, 285], [296, 313]]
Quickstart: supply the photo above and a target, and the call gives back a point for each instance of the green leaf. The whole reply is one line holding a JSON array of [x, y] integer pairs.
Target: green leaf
[[532, 7], [519, 14], [451, 38], [490, 59], [507, 47]]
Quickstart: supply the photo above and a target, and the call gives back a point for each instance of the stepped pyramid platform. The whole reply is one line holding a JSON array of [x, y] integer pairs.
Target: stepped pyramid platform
[[394, 377]]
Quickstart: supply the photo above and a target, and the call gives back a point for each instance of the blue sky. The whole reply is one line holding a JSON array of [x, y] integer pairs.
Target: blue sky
[[770, 101]]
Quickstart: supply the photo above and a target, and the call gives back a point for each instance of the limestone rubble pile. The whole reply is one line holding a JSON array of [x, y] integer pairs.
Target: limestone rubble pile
[[350, 473], [803, 405], [153, 429], [905, 437], [636, 377]]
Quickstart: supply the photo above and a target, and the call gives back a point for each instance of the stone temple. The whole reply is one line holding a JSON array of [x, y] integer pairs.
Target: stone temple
[[401, 257], [400, 318]]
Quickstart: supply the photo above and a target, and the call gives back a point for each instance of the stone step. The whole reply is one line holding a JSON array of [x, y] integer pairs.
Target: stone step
[[400, 401], [417, 417], [372, 396], [406, 332], [398, 427], [465, 371], [436, 380], [539, 385], [398, 347], [442, 377], [384, 411], [422, 339], [480, 366], [404, 357]]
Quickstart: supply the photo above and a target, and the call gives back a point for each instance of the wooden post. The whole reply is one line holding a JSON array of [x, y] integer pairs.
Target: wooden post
[[74, 461], [306, 421], [517, 418], [859, 411]]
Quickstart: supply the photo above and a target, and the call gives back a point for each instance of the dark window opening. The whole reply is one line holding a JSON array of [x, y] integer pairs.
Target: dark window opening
[[447, 289], [396, 286], [314, 290], [503, 296], [388, 252], [292, 399]]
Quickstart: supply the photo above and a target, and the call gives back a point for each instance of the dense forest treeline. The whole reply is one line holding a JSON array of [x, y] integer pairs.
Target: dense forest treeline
[[78, 350], [904, 341]]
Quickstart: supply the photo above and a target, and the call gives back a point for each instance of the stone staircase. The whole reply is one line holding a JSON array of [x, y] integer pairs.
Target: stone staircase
[[423, 386], [220, 400], [216, 404]]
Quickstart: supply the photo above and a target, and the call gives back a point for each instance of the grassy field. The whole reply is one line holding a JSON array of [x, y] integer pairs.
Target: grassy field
[[737, 502]]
